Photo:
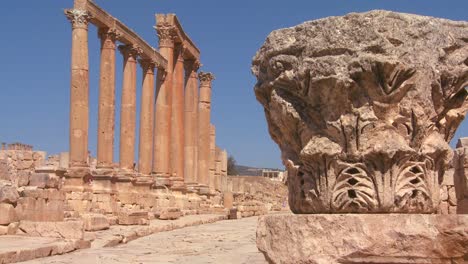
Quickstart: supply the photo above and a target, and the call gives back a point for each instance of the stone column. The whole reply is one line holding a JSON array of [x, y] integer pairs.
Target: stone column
[[177, 120], [191, 122], [204, 108], [106, 120], [128, 107], [146, 117], [224, 163], [217, 175], [212, 166], [79, 88], [162, 124]]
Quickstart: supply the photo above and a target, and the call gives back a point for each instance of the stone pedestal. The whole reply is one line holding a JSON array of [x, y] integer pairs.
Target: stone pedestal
[[363, 238]]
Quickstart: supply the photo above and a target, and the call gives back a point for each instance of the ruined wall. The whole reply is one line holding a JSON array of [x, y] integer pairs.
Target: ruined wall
[[28, 190], [257, 195]]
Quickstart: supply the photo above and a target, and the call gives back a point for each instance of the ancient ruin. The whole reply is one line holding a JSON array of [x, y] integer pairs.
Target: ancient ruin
[[363, 108], [180, 171]]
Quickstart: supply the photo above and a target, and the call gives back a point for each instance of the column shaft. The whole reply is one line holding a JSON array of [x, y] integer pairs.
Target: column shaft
[[79, 88], [128, 108], [106, 119], [191, 122], [212, 162], [177, 119], [204, 108], [162, 124], [146, 118]]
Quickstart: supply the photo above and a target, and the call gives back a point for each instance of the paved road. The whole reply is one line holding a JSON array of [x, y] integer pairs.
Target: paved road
[[230, 241]]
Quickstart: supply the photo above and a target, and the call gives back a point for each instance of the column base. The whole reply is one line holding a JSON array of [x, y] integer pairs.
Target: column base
[[192, 187], [203, 189], [177, 184], [363, 238], [77, 179], [161, 181], [102, 180]]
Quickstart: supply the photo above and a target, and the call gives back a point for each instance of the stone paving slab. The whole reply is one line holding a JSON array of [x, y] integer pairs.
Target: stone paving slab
[[120, 234], [224, 242], [22, 248]]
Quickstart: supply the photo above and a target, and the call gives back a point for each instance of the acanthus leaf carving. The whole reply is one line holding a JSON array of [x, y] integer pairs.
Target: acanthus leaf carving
[[78, 18]]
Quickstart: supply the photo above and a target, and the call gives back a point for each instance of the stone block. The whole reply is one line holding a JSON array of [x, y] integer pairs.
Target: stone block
[[8, 214], [27, 155], [363, 238], [39, 180], [3, 230], [13, 228], [40, 209], [8, 194], [170, 213], [233, 214], [23, 178], [67, 229], [228, 200], [133, 218], [79, 205], [128, 198], [95, 222]]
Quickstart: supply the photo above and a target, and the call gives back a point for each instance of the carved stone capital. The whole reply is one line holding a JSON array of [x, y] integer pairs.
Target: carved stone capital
[[166, 34], [78, 18], [205, 78], [147, 64], [191, 67], [109, 34], [130, 51], [162, 73]]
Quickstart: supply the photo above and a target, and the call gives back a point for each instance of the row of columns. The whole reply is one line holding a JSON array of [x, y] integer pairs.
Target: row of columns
[[177, 141]]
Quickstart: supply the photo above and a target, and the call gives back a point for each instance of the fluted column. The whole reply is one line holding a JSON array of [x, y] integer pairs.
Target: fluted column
[[128, 107], [106, 118], [177, 120], [191, 122], [212, 157], [146, 118], [204, 108], [79, 88], [162, 124]]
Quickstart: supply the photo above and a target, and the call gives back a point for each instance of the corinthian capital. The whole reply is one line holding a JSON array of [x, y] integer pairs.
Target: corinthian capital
[[78, 18], [191, 67], [166, 34], [205, 78], [130, 51], [109, 33]]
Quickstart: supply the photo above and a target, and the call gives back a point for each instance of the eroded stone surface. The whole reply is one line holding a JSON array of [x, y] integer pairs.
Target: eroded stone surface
[[363, 238], [362, 107]]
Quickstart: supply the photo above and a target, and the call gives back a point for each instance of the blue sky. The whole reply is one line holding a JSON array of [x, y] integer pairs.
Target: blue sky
[[35, 67]]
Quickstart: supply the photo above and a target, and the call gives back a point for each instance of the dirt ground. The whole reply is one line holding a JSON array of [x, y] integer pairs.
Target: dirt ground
[[229, 241]]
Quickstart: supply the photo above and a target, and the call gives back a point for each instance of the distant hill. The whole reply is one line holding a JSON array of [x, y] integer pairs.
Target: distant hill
[[250, 171]]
